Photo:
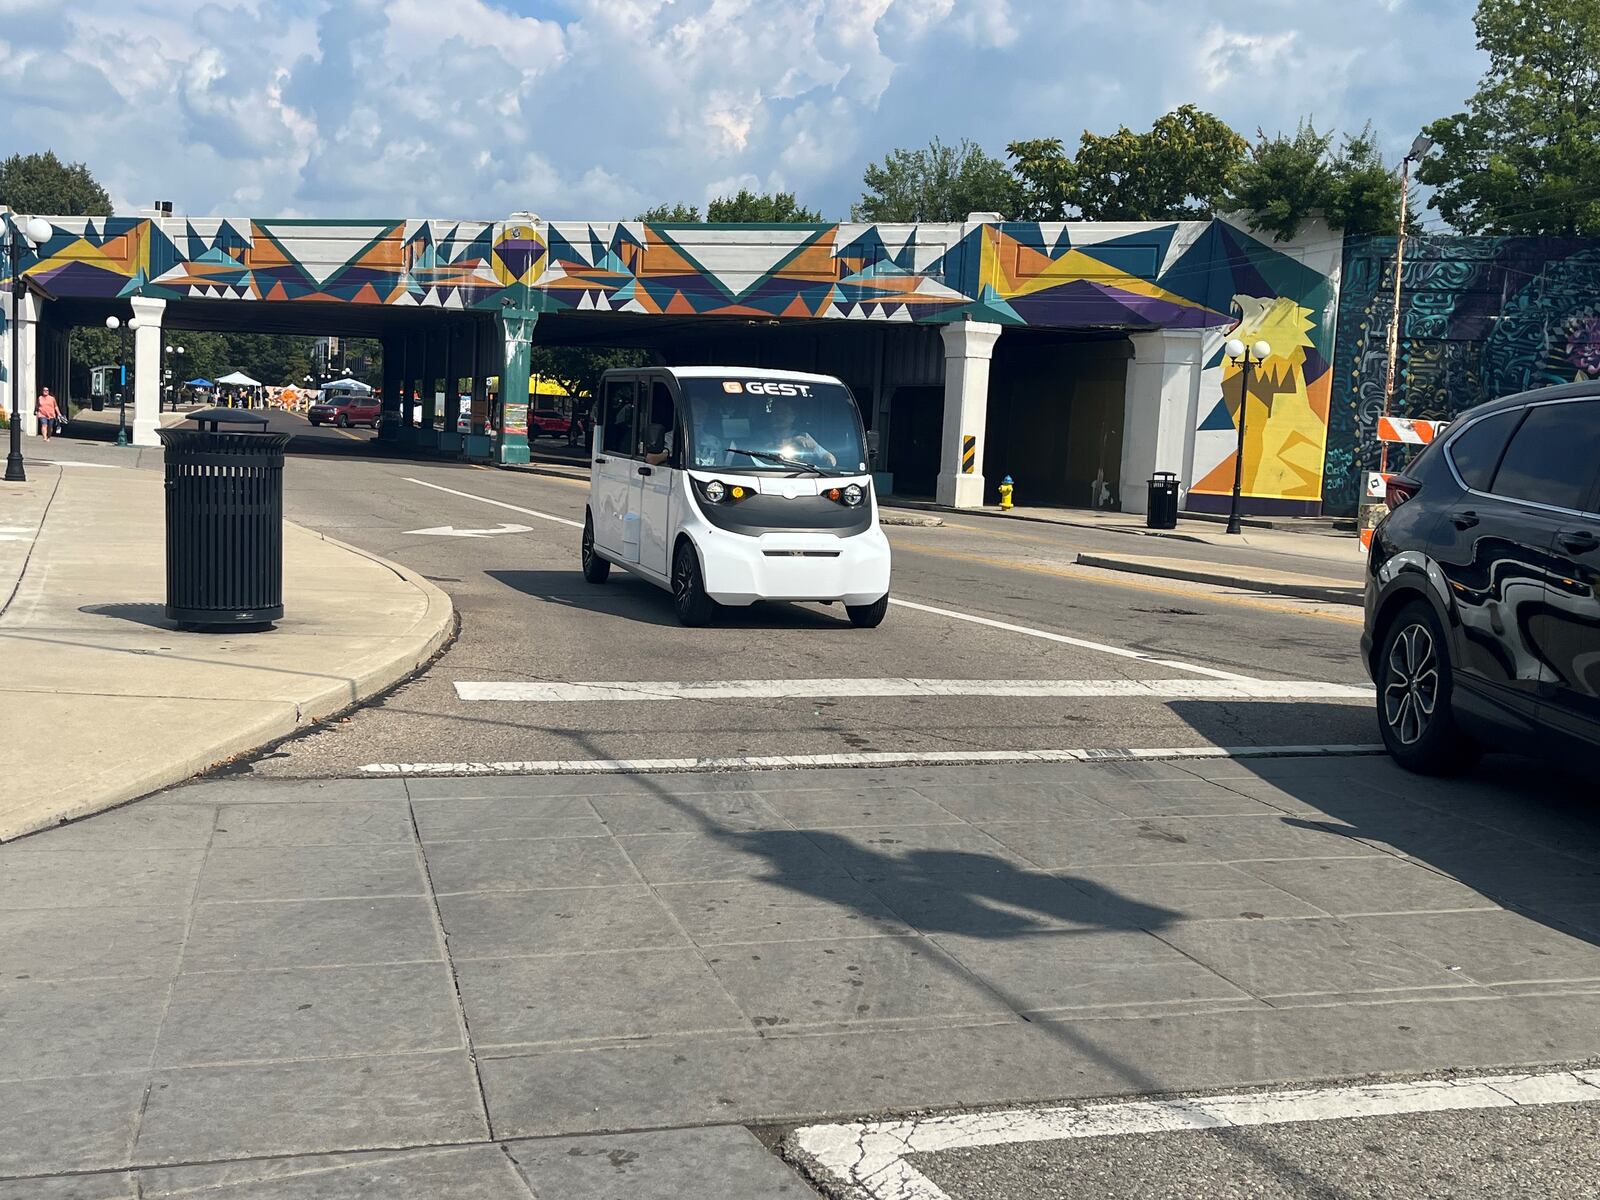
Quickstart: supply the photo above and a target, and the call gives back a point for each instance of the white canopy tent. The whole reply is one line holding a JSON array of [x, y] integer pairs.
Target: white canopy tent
[[348, 385], [234, 383]]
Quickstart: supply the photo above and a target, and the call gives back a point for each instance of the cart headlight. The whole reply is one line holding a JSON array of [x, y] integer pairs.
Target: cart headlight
[[852, 494], [714, 491]]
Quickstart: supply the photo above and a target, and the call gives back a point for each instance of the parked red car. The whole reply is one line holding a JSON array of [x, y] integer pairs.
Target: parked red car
[[345, 411], [548, 422]]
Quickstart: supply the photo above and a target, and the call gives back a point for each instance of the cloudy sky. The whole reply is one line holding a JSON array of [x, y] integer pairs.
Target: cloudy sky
[[599, 108]]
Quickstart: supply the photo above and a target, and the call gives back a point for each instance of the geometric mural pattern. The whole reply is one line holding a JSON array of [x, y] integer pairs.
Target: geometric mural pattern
[[1208, 276]]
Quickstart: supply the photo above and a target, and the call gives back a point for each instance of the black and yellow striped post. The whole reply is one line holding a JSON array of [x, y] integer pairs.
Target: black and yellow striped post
[[969, 454]]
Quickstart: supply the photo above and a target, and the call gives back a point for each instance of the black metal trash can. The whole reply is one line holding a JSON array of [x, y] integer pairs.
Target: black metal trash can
[[97, 403], [224, 520], [1161, 508]]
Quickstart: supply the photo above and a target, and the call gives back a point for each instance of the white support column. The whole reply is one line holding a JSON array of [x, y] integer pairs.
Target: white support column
[[27, 368], [968, 347], [147, 370], [1160, 408]]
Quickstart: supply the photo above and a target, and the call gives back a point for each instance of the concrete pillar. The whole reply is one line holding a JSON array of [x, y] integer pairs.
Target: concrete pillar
[[968, 347], [26, 368], [1160, 409], [449, 438], [393, 369], [516, 332], [147, 369], [434, 360]]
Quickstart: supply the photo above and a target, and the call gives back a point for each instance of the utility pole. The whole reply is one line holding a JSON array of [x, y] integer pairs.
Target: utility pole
[[1419, 148]]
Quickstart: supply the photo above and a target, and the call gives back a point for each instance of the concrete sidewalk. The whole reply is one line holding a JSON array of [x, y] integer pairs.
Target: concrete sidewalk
[[242, 987], [1341, 550], [104, 700]]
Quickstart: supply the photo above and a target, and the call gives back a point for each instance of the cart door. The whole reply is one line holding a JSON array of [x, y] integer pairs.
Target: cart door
[[614, 477], [658, 435]]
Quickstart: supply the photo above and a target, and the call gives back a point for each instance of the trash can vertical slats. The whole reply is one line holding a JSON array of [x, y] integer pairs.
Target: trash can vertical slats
[[224, 521], [1161, 507]]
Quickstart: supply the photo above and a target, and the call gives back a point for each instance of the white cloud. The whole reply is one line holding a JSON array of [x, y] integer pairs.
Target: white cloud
[[599, 108]]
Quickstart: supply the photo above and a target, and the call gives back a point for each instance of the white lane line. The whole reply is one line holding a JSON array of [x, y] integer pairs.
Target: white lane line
[[1081, 643], [795, 689], [871, 758], [497, 503], [871, 1156]]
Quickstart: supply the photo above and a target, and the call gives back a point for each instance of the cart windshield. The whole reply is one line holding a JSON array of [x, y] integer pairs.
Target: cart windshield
[[758, 424]]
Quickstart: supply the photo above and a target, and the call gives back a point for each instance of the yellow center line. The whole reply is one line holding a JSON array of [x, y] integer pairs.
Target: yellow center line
[[1091, 575]]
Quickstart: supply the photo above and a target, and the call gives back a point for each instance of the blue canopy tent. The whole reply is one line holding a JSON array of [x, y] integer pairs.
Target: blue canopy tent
[[197, 383]]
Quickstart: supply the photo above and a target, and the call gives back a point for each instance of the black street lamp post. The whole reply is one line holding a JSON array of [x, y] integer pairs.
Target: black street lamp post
[[114, 324], [36, 230], [1245, 356]]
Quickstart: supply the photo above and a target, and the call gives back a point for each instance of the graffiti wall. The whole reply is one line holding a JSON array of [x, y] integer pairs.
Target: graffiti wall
[[1480, 317], [1213, 277], [1209, 276]]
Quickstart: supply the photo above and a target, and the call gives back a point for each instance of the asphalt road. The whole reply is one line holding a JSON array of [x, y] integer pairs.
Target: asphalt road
[[527, 615], [1551, 1151]]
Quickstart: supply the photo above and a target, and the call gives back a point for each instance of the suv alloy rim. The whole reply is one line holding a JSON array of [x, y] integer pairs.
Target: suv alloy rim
[[681, 579], [1411, 685]]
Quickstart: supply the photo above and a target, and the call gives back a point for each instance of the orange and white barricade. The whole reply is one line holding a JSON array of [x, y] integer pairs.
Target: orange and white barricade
[[1409, 431]]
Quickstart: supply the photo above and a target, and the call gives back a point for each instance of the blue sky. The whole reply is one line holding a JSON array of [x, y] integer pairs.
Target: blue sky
[[599, 108]]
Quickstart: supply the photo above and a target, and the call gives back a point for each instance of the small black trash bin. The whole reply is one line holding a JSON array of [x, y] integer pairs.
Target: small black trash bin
[[97, 403], [1161, 509], [224, 520]]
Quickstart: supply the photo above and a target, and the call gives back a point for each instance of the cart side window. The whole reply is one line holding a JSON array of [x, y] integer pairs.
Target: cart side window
[[658, 432], [619, 418]]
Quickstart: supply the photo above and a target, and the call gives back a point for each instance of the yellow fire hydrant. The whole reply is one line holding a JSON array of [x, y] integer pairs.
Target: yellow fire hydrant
[[1006, 488]]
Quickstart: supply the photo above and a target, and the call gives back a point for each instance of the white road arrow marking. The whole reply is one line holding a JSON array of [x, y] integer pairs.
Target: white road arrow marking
[[452, 531]]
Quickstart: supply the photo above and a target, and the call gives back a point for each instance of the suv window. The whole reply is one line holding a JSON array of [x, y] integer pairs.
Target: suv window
[[1554, 456], [619, 419], [1476, 453]]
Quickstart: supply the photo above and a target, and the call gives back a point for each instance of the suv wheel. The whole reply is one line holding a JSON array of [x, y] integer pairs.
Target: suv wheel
[[595, 568], [1414, 682], [868, 616], [694, 607]]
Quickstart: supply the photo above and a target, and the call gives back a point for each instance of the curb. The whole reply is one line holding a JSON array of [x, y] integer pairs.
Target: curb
[[1329, 593], [1012, 516], [273, 721]]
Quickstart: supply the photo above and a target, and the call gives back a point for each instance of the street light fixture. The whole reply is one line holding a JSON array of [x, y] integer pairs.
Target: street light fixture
[[1419, 150], [1256, 353], [175, 372], [36, 232], [114, 324]]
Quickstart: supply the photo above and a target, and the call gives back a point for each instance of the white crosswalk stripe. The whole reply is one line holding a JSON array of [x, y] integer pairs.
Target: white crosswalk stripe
[[538, 692]]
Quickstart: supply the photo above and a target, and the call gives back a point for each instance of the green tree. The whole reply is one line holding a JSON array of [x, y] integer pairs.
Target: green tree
[[1045, 177], [1289, 178], [43, 184], [1181, 169], [578, 368], [670, 212], [1525, 156], [748, 206], [936, 183]]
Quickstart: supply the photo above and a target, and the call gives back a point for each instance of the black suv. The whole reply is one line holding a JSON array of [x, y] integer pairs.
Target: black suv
[[1483, 586]]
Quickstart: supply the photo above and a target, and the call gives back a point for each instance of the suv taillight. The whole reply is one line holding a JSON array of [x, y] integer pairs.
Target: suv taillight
[[1400, 489]]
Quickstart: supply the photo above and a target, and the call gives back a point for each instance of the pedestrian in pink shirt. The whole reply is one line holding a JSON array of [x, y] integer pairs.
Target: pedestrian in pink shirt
[[48, 412]]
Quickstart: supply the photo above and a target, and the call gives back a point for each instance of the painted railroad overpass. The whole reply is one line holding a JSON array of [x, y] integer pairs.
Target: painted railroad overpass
[[1081, 356]]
